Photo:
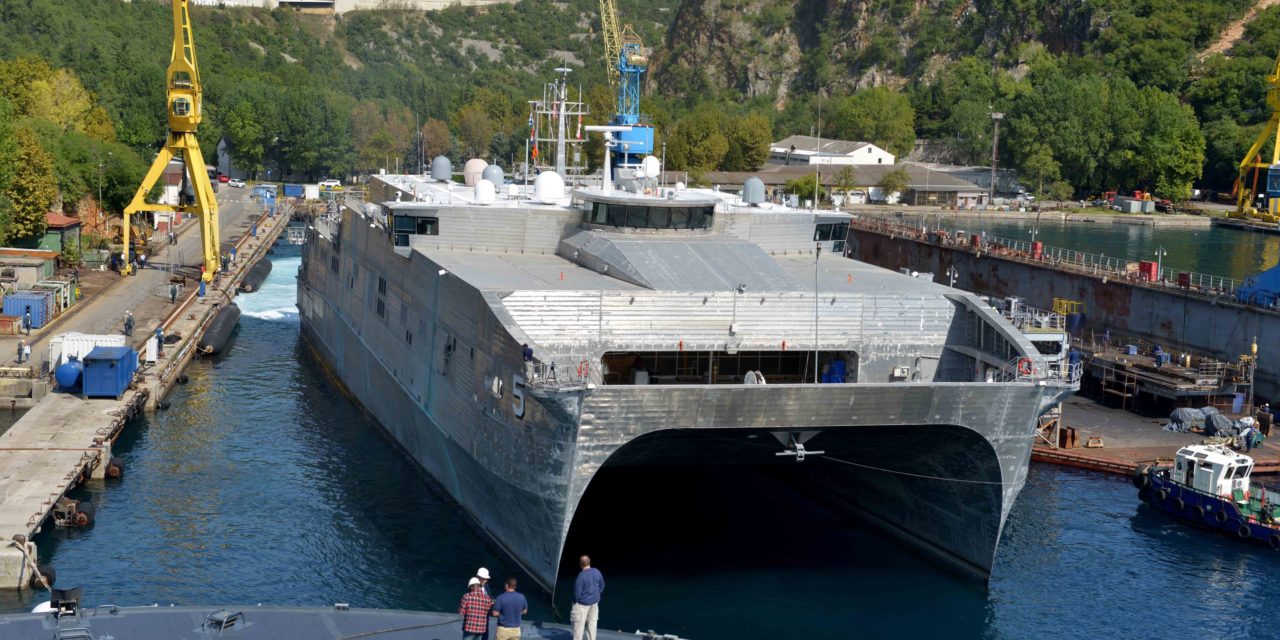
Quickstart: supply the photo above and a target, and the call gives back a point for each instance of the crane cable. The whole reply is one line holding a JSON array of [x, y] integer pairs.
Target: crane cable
[[702, 432]]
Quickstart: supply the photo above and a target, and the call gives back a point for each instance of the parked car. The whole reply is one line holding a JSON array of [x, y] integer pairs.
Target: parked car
[[331, 185], [222, 177], [236, 182]]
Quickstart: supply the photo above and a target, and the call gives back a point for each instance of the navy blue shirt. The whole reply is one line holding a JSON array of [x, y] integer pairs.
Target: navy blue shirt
[[510, 605], [588, 587]]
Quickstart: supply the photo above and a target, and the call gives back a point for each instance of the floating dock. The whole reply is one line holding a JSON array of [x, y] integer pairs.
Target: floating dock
[[1192, 312], [1247, 225], [65, 439]]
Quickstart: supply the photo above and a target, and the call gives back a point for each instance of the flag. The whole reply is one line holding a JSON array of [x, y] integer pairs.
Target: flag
[[579, 126], [533, 133], [535, 152]]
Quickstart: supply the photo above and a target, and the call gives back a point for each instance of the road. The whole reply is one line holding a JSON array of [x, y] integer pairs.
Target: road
[[147, 293]]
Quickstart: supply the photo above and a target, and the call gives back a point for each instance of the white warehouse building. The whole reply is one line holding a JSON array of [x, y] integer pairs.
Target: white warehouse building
[[794, 150]]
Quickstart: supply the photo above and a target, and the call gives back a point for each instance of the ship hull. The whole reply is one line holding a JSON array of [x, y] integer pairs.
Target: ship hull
[[944, 486], [524, 524]]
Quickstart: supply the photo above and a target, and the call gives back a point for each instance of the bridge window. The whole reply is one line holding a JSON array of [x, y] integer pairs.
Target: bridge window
[[639, 216], [181, 107], [405, 226], [825, 232]]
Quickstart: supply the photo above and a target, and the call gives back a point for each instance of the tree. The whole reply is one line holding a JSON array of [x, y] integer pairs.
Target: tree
[[31, 189], [879, 115], [969, 130], [475, 129], [1060, 190], [804, 187], [436, 139], [749, 139], [895, 181], [19, 79], [61, 99], [1170, 145], [246, 135], [846, 179], [697, 144], [1041, 165]]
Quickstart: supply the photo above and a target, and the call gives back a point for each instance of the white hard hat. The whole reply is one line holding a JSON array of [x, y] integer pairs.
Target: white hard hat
[[482, 573], [473, 582]]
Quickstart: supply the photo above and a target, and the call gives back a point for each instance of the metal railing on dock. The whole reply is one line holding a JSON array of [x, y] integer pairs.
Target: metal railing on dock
[[1098, 264]]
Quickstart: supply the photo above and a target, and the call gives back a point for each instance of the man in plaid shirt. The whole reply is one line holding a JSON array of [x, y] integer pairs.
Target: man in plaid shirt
[[474, 610]]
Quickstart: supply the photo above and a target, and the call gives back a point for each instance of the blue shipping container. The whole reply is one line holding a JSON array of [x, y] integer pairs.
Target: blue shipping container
[[293, 191], [108, 371], [40, 302]]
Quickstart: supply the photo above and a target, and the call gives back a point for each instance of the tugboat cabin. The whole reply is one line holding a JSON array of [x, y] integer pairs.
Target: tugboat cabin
[[1212, 469]]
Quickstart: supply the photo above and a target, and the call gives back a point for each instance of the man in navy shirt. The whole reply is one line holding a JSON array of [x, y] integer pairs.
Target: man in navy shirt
[[508, 608], [586, 600]]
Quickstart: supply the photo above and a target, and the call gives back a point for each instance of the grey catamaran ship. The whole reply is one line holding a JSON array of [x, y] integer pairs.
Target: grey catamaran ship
[[666, 326]]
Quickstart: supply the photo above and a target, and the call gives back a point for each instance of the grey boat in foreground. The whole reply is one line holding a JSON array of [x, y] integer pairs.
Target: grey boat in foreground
[[71, 621], [669, 326]]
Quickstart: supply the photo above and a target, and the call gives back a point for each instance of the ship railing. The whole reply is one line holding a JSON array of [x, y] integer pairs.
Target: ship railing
[[561, 374], [1025, 369], [1025, 317], [1071, 373]]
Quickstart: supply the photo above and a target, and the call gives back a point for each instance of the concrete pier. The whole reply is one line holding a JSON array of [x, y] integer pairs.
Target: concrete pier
[[1129, 441], [65, 439]]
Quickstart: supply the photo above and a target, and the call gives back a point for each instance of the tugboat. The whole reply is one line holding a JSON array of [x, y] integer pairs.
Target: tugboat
[[1208, 485]]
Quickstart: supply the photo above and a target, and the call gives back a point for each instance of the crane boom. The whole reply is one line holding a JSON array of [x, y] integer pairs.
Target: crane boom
[[612, 39], [184, 104], [1253, 160]]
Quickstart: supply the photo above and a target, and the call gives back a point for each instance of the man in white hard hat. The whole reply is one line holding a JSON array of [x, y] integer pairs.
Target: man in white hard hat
[[482, 574]]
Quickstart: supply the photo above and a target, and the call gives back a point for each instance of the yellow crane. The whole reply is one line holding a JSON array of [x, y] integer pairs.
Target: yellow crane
[[1253, 161], [183, 96]]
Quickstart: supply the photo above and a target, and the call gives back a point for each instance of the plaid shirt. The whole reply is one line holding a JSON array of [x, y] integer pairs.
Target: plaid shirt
[[474, 610]]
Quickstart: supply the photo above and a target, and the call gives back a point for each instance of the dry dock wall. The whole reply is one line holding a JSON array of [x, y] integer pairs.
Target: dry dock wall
[[1167, 316]]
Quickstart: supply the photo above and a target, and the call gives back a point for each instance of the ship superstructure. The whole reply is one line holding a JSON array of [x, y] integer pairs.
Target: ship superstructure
[[656, 318]]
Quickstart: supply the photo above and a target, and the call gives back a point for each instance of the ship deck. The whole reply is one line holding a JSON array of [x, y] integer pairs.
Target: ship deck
[[275, 623], [548, 272]]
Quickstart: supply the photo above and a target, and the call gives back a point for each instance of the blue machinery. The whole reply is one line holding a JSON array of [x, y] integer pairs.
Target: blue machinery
[[626, 62]]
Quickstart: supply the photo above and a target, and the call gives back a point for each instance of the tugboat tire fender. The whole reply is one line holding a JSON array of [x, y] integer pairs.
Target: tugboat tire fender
[[1178, 504], [1199, 511], [1144, 494], [1220, 516], [1243, 531], [1274, 541], [1140, 478], [1164, 495]]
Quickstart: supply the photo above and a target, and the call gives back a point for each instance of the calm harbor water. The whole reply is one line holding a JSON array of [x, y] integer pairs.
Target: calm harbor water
[[1216, 251], [263, 484]]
